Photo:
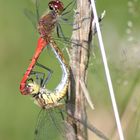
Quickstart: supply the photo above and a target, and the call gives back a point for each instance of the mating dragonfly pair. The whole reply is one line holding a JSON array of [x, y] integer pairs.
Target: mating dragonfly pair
[[36, 87], [44, 98]]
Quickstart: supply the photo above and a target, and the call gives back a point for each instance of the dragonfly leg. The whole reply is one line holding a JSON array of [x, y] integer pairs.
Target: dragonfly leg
[[39, 76], [45, 81]]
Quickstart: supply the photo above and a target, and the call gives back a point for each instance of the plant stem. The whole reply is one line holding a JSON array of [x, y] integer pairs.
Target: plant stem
[[79, 57]]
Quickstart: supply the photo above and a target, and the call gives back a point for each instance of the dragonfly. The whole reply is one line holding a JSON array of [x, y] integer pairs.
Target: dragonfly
[[46, 25]]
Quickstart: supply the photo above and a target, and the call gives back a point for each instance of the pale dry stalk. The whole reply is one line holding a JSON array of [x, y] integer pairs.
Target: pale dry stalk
[[79, 58]]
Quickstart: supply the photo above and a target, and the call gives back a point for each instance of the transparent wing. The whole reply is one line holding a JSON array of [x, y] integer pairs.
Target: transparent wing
[[45, 129], [31, 16], [51, 125]]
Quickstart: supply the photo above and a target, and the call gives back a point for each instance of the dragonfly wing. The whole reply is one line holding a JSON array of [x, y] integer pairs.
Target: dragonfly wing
[[37, 9], [52, 126], [31, 16]]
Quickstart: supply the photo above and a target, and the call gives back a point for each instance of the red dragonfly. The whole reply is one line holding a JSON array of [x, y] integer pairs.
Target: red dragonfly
[[46, 25]]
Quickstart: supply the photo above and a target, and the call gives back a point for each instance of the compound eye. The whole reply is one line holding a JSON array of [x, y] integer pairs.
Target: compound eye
[[56, 5]]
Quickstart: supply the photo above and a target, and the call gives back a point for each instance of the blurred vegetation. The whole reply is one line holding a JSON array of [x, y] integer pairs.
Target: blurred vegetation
[[18, 40]]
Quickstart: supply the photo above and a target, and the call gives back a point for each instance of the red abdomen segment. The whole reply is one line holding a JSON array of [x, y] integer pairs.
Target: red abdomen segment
[[24, 88]]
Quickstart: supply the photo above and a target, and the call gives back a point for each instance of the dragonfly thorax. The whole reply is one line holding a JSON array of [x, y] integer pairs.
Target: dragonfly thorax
[[47, 24], [44, 98]]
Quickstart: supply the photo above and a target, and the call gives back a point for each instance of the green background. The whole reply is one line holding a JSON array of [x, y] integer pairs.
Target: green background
[[18, 40]]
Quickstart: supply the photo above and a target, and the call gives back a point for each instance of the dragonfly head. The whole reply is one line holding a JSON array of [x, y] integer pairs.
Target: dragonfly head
[[56, 5], [34, 88]]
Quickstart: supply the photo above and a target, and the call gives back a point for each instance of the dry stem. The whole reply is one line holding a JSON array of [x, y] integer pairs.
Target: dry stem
[[79, 56]]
